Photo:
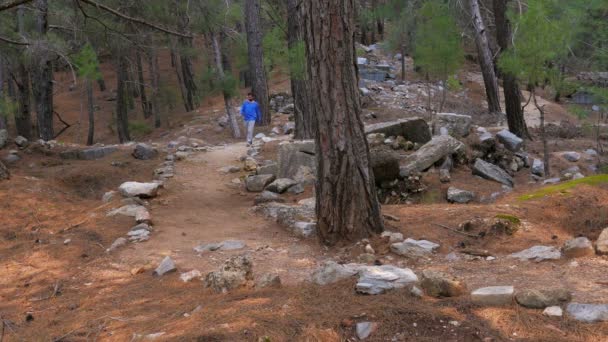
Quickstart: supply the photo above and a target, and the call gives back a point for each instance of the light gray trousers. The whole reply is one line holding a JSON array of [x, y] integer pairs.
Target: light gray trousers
[[249, 125]]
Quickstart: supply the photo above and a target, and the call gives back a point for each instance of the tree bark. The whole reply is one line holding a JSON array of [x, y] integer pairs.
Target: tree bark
[[543, 134], [220, 62], [347, 206], [145, 104], [299, 89], [155, 77], [3, 115], [42, 78], [485, 59], [188, 79], [515, 113], [256, 58], [23, 119], [175, 62], [91, 110], [122, 110]]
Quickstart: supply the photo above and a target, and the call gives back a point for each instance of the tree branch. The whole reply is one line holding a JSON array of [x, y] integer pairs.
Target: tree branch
[[10, 5], [9, 41], [136, 20]]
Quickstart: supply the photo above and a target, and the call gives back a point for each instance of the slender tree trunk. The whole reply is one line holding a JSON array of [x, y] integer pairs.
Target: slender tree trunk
[[122, 110], [175, 62], [91, 110], [485, 59], [3, 115], [543, 134], [42, 78], [256, 58], [187, 71], [101, 84], [219, 64], [145, 104], [299, 89], [23, 119], [155, 76], [515, 113], [346, 201], [403, 63]]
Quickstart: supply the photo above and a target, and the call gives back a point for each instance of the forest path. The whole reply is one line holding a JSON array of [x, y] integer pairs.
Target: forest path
[[202, 205]]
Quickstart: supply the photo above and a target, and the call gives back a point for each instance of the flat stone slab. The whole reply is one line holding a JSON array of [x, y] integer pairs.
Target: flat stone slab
[[228, 245], [588, 313], [492, 172], [511, 141], [165, 266], [414, 248], [88, 153], [538, 253], [493, 295], [137, 189]]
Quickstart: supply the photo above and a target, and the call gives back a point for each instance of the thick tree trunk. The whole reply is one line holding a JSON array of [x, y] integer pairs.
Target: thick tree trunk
[[155, 79], [42, 78], [91, 110], [515, 113], [302, 113], [122, 110], [145, 104], [485, 59], [101, 84], [346, 201], [256, 58], [220, 62]]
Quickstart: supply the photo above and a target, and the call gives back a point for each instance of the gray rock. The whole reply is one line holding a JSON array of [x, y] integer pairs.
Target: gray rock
[[268, 280], [293, 155], [330, 272], [3, 138], [578, 175], [21, 142], [588, 313], [230, 169], [296, 189], [493, 295], [108, 196], [139, 235], [416, 292], [166, 265], [257, 183], [287, 109], [553, 311], [137, 189], [540, 299], [456, 124], [459, 196], [414, 248], [492, 172], [591, 152], [209, 247], [385, 164], [362, 61], [571, 156], [142, 226], [365, 329], [266, 197], [304, 229], [88, 153], [393, 237], [144, 152], [289, 127], [375, 280], [430, 153], [444, 176], [187, 276], [234, 273], [538, 167], [538, 253], [438, 284], [127, 210], [601, 244], [578, 247], [121, 241], [268, 169], [511, 141], [11, 158], [305, 176], [281, 185], [231, 245], [182, 155], [413, 129]]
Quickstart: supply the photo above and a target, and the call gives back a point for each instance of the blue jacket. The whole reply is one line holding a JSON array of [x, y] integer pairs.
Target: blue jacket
[[250, 111]]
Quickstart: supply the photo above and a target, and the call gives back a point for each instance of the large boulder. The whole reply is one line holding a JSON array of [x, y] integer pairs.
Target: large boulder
[[137, 189], [144, 152], [455, 124], [293, 155], [235, 272], [511, 141], [492, 172], [412, 129], [88, 153], [430, 153], [384, 163], [257, 183], [3, 138]]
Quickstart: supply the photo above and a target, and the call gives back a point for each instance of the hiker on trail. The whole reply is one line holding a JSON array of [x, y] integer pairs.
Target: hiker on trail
[[251, 113]]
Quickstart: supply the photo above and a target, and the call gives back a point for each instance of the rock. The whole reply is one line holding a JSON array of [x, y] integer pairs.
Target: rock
[[365, 329], [121, 241], [137, 189], [369, 249], [296, 189], [182, 155], [267, 196], [108, 196], [588, 313], [293, 155], [250, 164], [414, 248], [281, 185], [187, 276], [367, 258], [88, 153], [304, 229], [287, 109], [235, 272], [210, 247], [142, 226], [139, 235], [258, 183], [416, 292], [511, 141], [11, 158], [552, 181], [268, 169], [289, 127], [412, 129], [493, 295], [144, 152], [3, 138], [127, 210], [330, 272], [393, 237], [385, 164], [540, 299], [375, 280], [492, 172], [165, 266], [538, 167], [578, 175], [571, 156], [231, 245], [578, 247], [438, 284], [456, 124], [553, 311], [430, 153], [459, 196], [305, 176], [538, 253], [21, 142], [269, 280], [362, 61], [230, 169], [591, 152], [444, 176], [601, 244]]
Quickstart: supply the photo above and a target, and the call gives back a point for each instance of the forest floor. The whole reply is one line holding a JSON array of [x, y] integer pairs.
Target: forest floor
[[59, 284]]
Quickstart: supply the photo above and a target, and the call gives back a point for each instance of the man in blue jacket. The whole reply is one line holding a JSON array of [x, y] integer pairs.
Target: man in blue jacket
[[251, 113]]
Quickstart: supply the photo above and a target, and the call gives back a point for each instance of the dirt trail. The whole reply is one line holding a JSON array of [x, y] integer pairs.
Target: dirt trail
[[201, 205]]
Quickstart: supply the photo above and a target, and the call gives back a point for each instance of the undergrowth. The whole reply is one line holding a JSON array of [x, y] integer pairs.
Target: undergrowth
[[565, 186]]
